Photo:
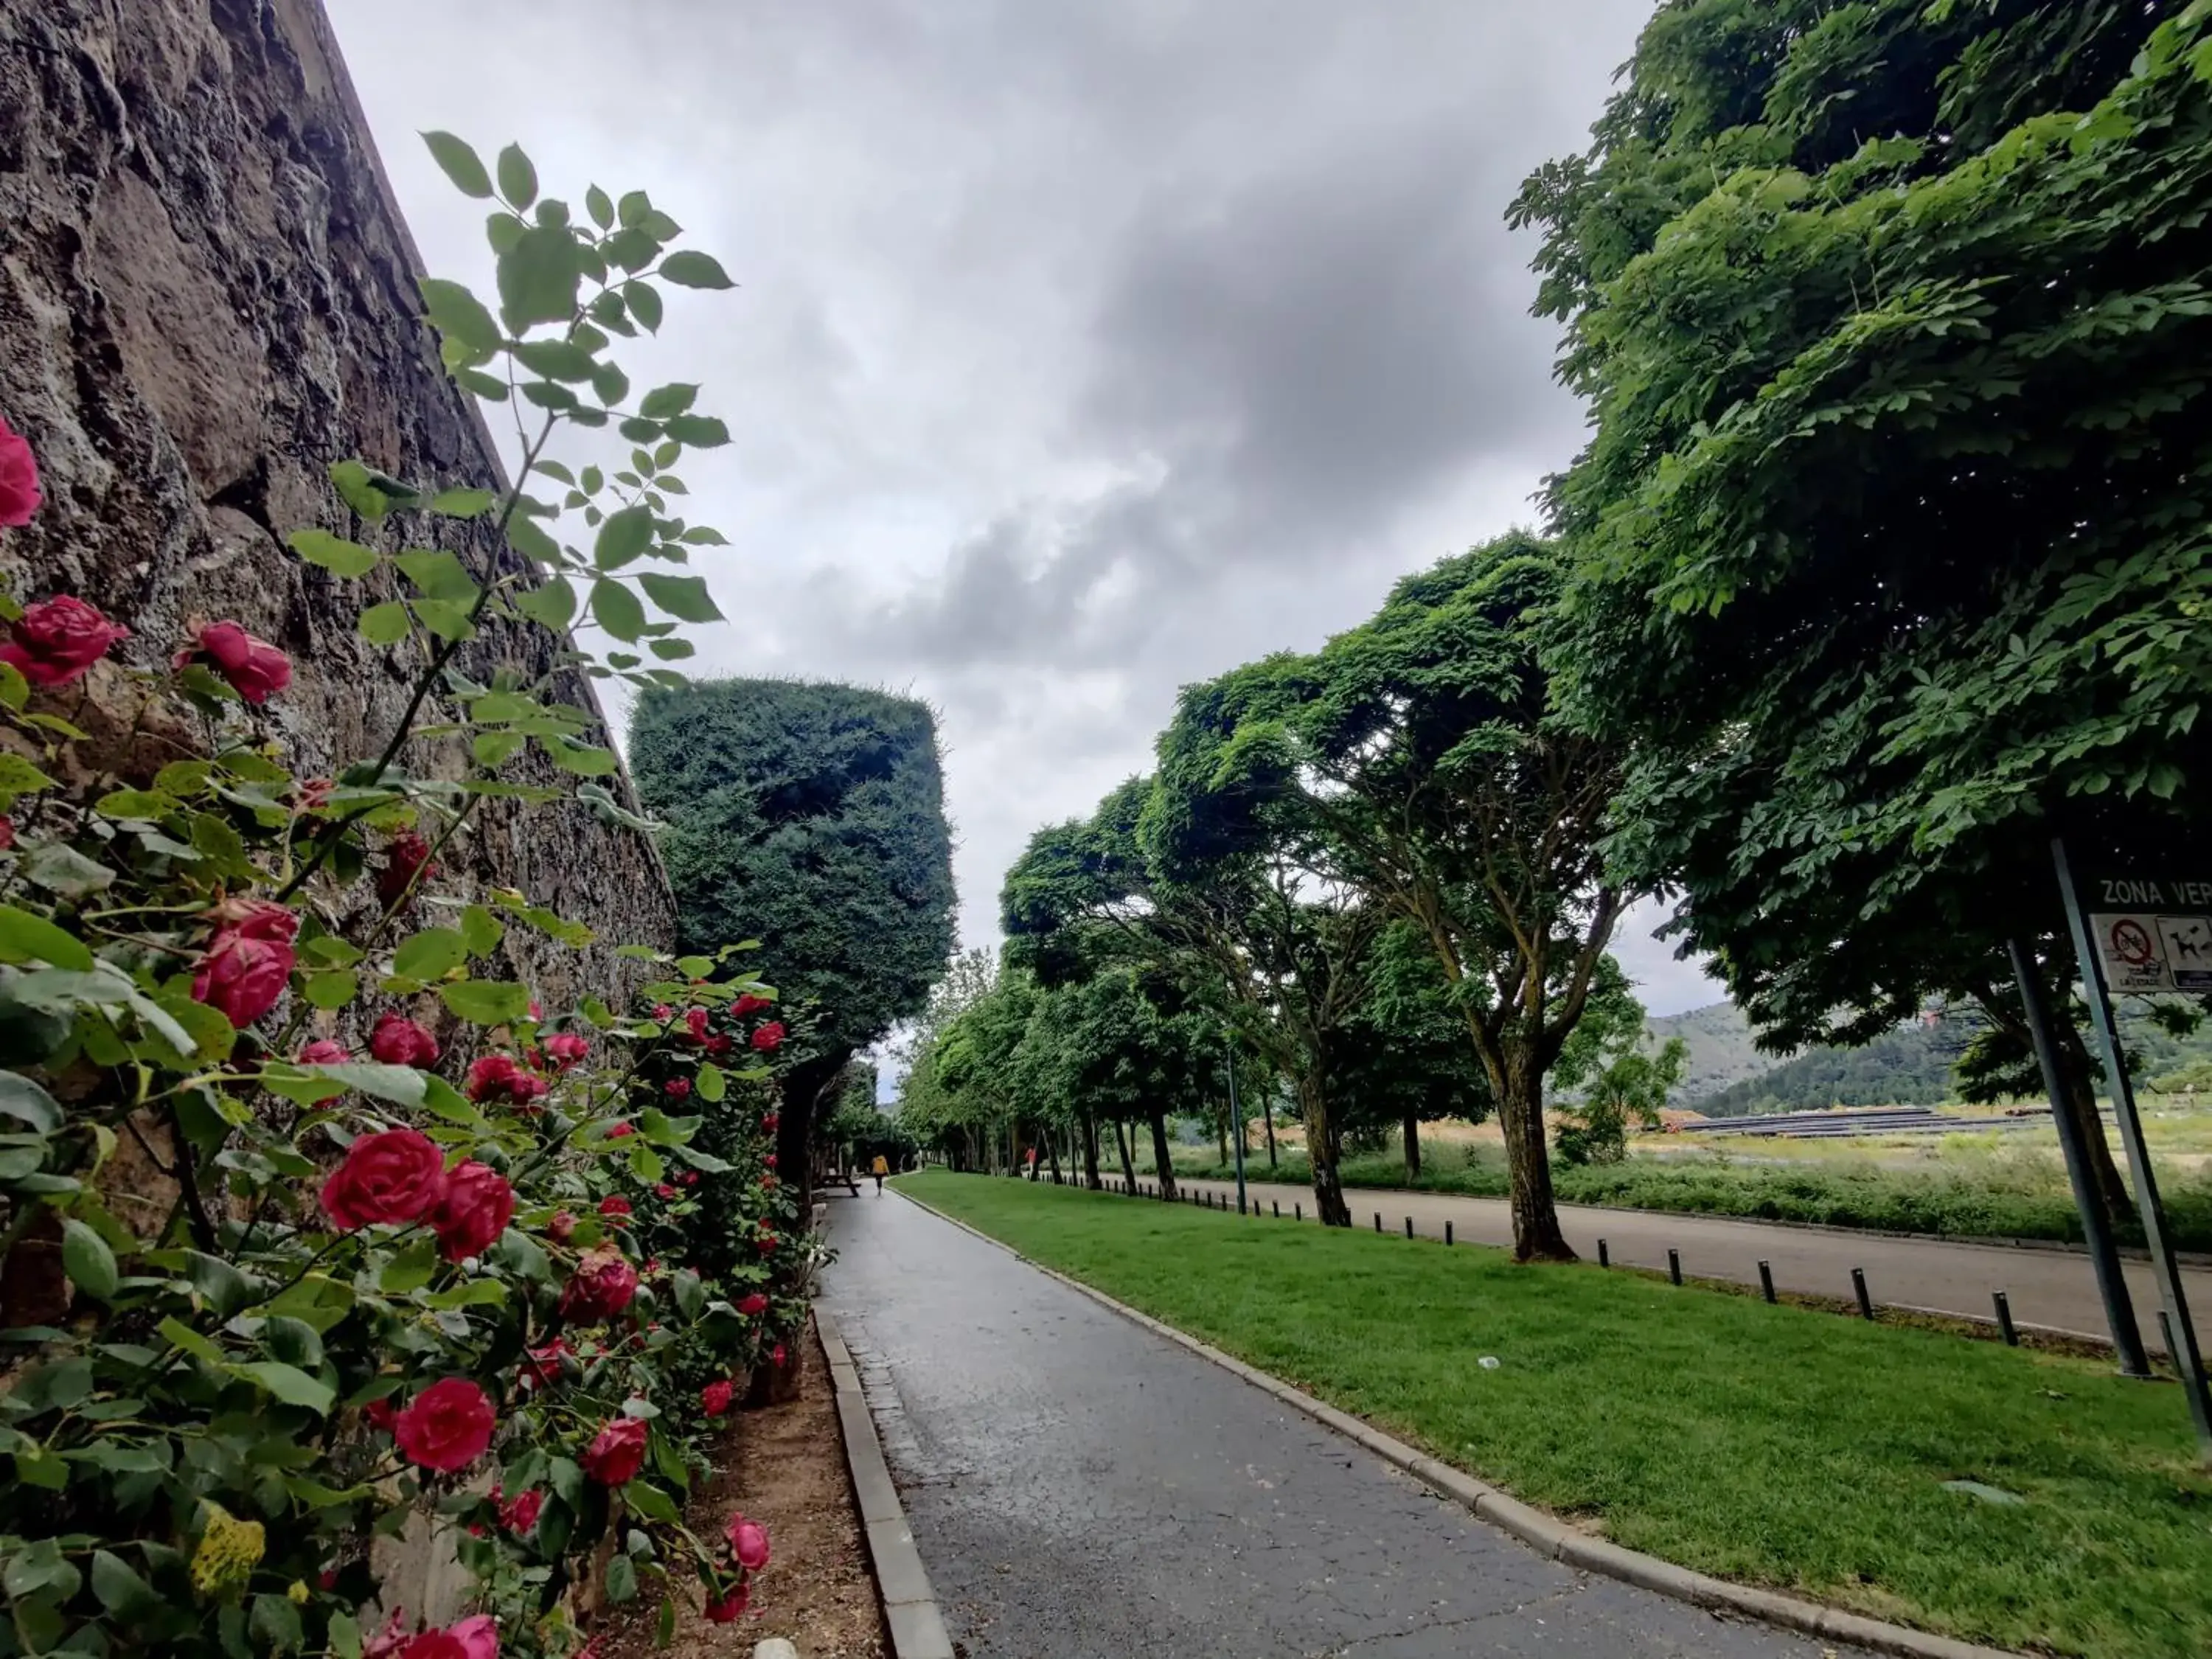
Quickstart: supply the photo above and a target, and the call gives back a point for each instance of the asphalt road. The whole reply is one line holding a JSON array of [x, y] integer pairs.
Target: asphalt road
[[1079, 1488], [2054, 1288]]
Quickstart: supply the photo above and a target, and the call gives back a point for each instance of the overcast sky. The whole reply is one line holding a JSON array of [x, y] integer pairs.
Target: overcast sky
[[1081, 350]]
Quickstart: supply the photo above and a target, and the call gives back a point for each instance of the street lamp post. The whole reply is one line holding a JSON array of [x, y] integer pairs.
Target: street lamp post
[[1237, 1117]]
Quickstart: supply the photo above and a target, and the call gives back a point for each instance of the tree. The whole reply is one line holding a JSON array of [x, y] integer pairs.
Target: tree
[[811, 815], [1611, 1075], [1424, 768], [1404, 1059], [1891, 534]]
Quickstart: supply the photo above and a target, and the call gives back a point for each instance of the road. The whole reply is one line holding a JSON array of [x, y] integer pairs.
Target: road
[[2052, 1288], [1079, 1488]]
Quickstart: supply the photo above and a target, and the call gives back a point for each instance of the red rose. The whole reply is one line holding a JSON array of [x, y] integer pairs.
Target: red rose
[[769, 1037], [729, 1608], [323, 1052], [747, 1004], [446, 1426], [477, 1204], [663, 1191], [776, 1358], [770, 1160], [543, 1368], [678, 1087], [621, 1129], [601, 1287], [57, 641], [6, 832], [565, 1050], [766, 1243], [691, 1178], [473, 1638], [19, 478], [561, 1228], [241, 978], [381, 1412], [499, 1077], [399, 1041], [255, 668], [520, 1514], [395, 1174], [614, 1204], [406, 867], [251, 918], [721, 1043], [715, 1398], [753, 1306], [315, 793], [617, 1451], [663, 1012], [747, 1542], [697, 1019], [768, 1184], [769, 1123]]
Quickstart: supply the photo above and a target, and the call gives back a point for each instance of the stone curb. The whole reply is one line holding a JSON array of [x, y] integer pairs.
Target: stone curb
[[910, 1612], [1546, 1534]]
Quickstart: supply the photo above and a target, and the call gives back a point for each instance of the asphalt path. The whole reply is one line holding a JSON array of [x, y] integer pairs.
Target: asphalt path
[[1080, 1488], [2054, 1288]]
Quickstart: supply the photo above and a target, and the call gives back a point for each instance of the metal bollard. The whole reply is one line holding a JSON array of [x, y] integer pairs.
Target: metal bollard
[[1604, 1254], [2004, 1318], [1297, 1211], [1447, 1233], [1409, 1226], [1378, 1221], [1674, 1266], [1275, 1205], [1766, 1280], [1866, 1302]]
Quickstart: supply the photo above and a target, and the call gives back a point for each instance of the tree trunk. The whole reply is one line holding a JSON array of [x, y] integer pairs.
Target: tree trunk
[[1091, 1153], [2081, 1074], [1536, 1235], [1412, 1130], [1162, 1165], [1329, 1207], [1122, 1146], [1270, 1121], [1052, 1153], [1221, 1135], [802, 1088]]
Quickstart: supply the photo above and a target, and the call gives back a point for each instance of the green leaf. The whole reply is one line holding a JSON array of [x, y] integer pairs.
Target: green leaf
[[636, 208], [344, 1634], [582, 758], [332, 990], [483, 930], [623, 536], [610, 384], [492, 748], [290, 1384], [476, 1293], [333, 553], [225, 1288], [648, 1500], [384, 624], [411, 1269], [118, 1588], [529, 538], [65, 870], [690, 1293], [463, 503], [622, 1580], [368, 492], [19, 777], [557, 360], [710, 1083], [87, 1260], [616, 609], [27, 1103], [518, 179], [699, 431], [663, 401], [178, 1334], [482, 385], [553, 606], [402, 1085], [438, 574], [141, 804], [537, 278], [602, 210], [275, 1625], [689, 268], [458, 315], [684, 597], [461, 164], [447, 618], [27, 937], [672, 650], [431, 954], [644, 302], [487, 1002]]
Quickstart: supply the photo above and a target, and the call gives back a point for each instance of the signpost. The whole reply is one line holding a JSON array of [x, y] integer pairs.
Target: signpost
[[1237, 1117], [2137, 932]]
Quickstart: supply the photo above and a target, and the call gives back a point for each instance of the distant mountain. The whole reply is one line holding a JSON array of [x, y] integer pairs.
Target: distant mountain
[[1720, 1049], [1908, 1066]]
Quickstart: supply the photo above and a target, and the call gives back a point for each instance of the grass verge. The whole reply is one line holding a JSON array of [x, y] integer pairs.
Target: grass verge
[[1993, 1198], [1775, 1446]]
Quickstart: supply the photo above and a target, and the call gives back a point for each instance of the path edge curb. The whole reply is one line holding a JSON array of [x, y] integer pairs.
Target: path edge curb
[[911, 1617], [1545, 1533]]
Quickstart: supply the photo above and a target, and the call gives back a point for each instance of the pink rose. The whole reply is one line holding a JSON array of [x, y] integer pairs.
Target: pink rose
[[753, 1306], [617, 1451], [747, 1004], [663, 1191], [19, 478], [446, 1426], [769, 1037], [621, 1130], [323, 1052], [663, 1012], [715, 1398], [679, 1088], [57, 641], [520, 1514], [477, 1207], [747, 1542], [565, 1050], [241, 977], [695, 1019], [603, 1284], [728, 1608], [395, 1174], [399, 1040], [561, 1228], [256, 669]]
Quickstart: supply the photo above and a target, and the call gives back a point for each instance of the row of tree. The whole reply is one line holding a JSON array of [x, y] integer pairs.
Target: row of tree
[[1884, 565]]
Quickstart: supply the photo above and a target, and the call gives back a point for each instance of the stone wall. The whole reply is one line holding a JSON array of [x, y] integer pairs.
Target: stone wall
[[206, 297]]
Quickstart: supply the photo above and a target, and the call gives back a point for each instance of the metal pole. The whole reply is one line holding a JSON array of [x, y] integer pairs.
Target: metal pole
[[1766, 1280], [1674, 1266], [1604, 1254], [2096, 1225], [2181, 1335], [1859, 1289], [2004, 1318], [1237, 1117]]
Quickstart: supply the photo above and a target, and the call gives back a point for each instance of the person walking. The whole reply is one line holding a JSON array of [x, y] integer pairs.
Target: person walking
[[880, 1168]]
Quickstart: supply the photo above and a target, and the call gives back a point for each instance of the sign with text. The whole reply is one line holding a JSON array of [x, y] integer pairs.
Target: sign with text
[[2152, 934]]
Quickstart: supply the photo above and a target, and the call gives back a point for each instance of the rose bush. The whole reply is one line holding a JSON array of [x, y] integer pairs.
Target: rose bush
[[277, 1289]]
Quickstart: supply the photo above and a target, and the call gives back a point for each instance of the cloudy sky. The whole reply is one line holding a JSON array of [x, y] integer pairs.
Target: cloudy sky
[[1082, 349]]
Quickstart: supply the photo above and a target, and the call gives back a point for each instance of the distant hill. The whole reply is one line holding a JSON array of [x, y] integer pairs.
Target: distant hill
[[1720, 1050], [1908, 1066]]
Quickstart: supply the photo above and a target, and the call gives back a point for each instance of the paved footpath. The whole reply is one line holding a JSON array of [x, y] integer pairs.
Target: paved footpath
[[1079, 1488], [2057, 1288]]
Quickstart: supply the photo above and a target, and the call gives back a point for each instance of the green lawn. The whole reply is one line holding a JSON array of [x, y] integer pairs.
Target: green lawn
[[1775, 1446]]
